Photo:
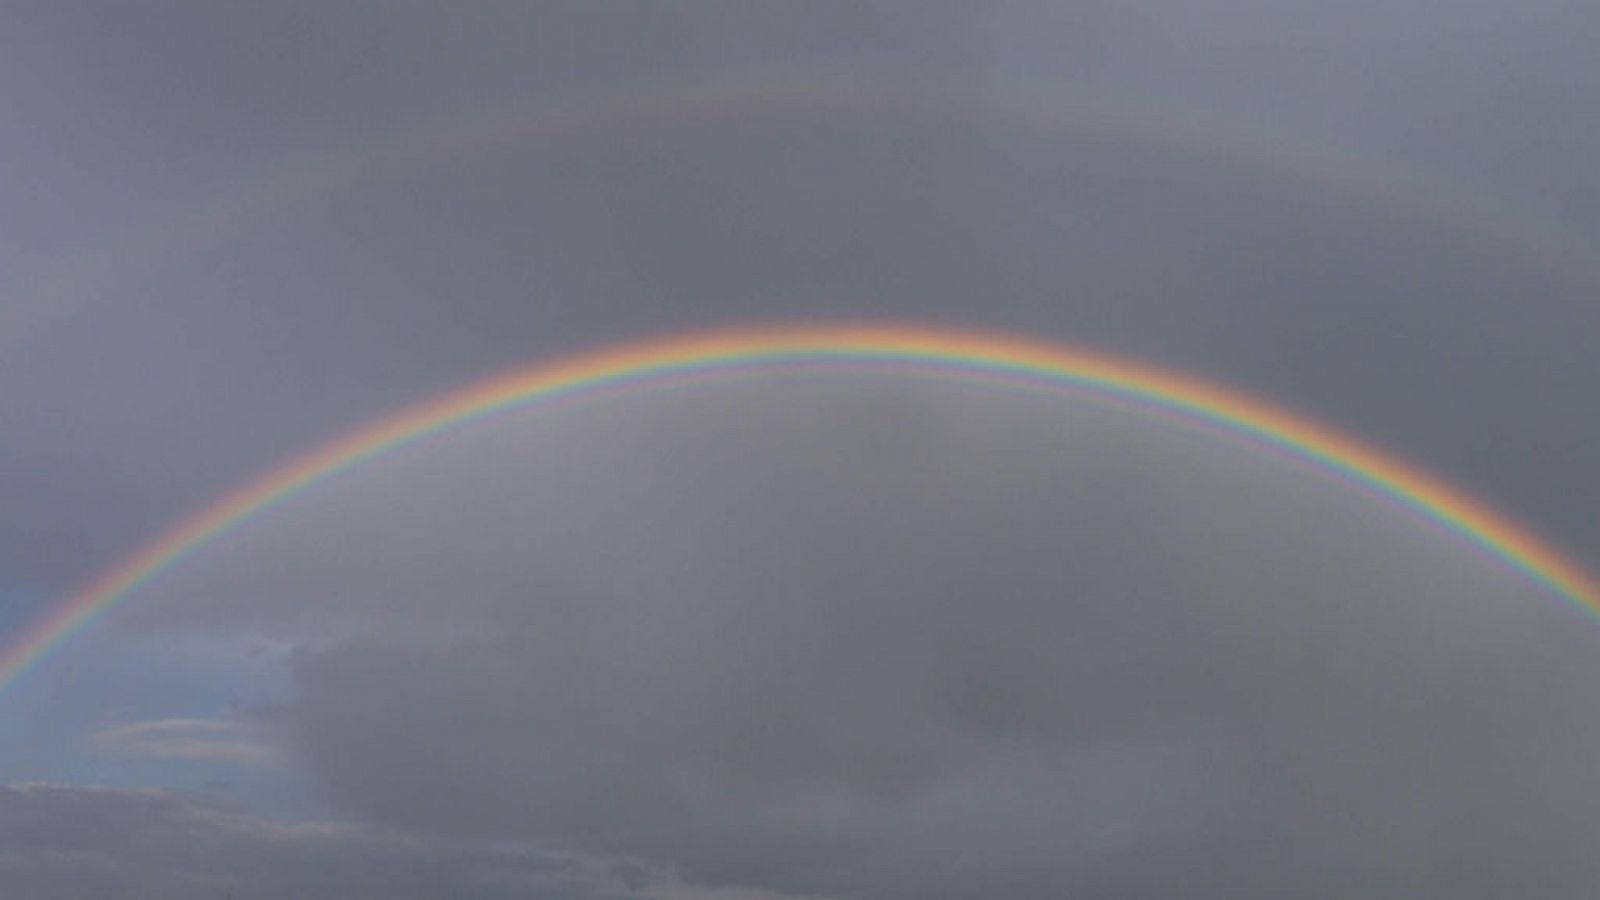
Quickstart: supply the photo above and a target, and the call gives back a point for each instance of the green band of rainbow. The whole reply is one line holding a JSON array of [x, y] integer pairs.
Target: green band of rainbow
[[952, 353]]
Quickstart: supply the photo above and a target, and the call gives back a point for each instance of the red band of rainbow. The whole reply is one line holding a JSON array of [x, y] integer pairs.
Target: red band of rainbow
[[729, 353]]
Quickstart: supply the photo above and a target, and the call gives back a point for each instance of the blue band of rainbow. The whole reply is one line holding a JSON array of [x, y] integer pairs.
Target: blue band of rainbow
[[729, 353]]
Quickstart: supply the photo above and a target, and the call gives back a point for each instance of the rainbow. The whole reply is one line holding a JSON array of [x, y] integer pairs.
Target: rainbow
[[973, 356], [636, 113]]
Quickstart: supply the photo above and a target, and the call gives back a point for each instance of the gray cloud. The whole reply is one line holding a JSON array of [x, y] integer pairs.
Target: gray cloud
[[868, 637]]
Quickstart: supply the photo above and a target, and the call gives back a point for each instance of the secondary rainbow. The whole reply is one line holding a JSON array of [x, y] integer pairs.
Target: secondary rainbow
[[642, 116], [735, 353]]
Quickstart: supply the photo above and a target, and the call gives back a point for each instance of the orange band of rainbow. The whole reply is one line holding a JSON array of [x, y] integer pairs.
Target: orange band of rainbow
[[959, 354]]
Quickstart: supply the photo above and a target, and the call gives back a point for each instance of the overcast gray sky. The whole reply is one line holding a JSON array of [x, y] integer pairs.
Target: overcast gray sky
[[848, 636]]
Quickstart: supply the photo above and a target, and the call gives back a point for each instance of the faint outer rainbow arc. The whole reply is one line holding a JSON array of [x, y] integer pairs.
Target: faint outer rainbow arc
[[1056, 108], [956, 354]]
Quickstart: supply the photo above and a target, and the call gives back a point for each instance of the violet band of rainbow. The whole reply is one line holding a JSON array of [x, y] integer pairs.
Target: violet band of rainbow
[[741, 352]]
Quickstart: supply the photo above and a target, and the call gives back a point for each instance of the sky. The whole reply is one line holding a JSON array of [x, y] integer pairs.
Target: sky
[[814, 635]]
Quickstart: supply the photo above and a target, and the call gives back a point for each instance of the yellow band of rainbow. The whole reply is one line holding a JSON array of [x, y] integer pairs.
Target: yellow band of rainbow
[[729, 353]]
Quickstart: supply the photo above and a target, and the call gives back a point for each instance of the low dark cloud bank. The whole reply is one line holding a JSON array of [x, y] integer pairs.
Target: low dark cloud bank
[[61, 842]]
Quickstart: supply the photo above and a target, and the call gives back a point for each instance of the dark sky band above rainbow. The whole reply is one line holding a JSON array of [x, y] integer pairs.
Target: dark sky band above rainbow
[[908, 349], [635, 113]]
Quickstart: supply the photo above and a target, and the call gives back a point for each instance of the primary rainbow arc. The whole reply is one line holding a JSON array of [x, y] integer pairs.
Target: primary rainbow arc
[[950, 353]]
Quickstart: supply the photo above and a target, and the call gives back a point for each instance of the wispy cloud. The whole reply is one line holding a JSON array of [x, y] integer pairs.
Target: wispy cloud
[[202, 740]]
